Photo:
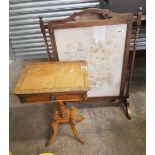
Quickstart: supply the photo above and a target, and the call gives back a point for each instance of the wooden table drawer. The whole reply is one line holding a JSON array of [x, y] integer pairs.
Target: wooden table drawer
[[52, 97]]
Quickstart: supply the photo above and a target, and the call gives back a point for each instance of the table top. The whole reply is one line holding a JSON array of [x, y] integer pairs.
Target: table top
[[53, 77]]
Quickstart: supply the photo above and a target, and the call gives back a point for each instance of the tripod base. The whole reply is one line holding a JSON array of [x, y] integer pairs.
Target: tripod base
[[65, 115]]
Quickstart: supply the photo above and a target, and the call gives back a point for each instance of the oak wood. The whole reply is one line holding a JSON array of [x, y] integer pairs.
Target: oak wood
[[57, 77]]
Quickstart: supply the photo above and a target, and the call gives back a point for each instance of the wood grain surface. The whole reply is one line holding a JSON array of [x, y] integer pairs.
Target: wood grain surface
[[47, 77]]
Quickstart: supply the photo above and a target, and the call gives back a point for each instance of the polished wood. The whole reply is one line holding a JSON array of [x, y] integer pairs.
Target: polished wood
[[126, 99], [42, 27], [56, 82], [133, 53], [47, 97], [126, 59], [105, 14], [65, 115]]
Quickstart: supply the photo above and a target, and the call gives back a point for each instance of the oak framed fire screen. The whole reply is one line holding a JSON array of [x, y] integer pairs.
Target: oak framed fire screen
[[103, 43]]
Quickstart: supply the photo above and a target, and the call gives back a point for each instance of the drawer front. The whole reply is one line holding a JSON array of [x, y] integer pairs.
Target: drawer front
[[52, 97]]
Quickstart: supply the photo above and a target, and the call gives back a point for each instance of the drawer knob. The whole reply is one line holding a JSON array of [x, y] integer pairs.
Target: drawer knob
[[53, 98]]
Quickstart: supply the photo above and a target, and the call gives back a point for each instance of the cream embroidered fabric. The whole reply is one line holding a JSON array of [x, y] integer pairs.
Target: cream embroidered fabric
[[103, 48]]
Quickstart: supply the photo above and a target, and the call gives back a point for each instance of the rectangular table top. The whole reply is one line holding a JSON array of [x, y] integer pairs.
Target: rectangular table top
[[53, 77]]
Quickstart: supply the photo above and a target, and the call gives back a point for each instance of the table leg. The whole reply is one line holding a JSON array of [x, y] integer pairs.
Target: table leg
[[74, 117], [72, 125], [63, 115], [54, 126], [62, 109]]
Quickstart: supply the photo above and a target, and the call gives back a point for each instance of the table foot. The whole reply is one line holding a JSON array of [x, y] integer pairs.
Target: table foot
[[74, 116], [72, 125], [54, 126], [80, 118]]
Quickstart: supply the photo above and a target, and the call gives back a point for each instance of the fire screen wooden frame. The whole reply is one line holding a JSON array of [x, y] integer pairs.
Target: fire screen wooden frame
[[107, 18]]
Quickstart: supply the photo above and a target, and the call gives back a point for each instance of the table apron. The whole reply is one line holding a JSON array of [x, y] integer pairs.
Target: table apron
[[24, 98]]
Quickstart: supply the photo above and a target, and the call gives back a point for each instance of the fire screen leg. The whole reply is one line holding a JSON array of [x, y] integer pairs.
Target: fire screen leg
[[126, 102]]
